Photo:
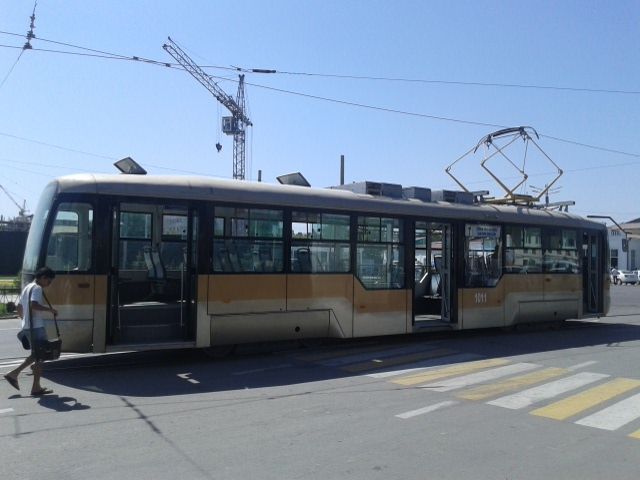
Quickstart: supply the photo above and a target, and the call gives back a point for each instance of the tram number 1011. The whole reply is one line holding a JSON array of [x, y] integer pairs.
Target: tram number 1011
[[480, 297]]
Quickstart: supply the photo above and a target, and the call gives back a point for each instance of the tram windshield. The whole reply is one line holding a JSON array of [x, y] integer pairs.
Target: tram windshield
[[36, 231]]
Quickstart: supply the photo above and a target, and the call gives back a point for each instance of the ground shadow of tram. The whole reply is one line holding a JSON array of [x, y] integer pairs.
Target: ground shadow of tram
[[190, 372]]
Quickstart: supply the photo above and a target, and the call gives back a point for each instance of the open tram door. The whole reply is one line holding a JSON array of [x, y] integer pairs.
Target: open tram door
[[592, 273], [432, 274], [152, 280]]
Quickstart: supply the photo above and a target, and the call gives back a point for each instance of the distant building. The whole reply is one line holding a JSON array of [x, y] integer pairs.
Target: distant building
[[626, 257]]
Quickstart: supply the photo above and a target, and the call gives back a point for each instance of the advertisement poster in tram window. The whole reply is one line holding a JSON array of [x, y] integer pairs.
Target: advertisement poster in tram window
[[174, 226], [484, 231]]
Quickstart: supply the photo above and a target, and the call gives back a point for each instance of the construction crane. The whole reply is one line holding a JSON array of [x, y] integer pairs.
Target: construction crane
[[23, 214], [238, 121]]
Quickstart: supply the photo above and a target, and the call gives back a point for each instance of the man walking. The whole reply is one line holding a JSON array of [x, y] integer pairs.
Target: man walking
[[31, 309]]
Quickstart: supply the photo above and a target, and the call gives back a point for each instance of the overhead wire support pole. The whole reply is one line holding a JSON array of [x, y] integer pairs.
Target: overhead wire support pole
[[239, 119]]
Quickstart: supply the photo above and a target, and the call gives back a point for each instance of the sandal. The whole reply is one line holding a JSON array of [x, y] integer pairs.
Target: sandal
[[42, 391], [12, 381]]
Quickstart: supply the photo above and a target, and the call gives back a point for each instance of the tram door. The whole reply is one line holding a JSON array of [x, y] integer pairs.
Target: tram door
[[591, 273], [432, 275], [152, 286]]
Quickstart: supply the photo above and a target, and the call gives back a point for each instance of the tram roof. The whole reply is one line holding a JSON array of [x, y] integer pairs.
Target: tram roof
[[258, 193]]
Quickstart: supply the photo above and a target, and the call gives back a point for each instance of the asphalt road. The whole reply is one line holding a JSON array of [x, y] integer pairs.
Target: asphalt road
[[540, 403]]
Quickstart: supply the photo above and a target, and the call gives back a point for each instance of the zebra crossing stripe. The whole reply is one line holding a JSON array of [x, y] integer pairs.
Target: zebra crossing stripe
[[422, 411], [549, 390], [584, 400], [511, 384], [479, 377], [389, 362], [425, 365], [581, 365], [615, 416], [461, 369]]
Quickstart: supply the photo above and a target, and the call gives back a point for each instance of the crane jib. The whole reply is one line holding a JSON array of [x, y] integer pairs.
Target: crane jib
[[235, 106]]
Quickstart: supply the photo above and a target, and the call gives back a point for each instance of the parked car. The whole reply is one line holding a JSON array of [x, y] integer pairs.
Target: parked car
[[619, 277]]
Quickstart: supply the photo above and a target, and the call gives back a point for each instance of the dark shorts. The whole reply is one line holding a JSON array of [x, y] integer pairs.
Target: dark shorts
[[37, 335]]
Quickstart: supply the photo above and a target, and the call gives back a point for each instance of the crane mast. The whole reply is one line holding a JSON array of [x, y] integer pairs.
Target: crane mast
[[238, 121]]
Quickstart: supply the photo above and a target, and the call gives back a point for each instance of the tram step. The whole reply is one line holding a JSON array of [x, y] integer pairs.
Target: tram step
[[150, 314], [150, 333]]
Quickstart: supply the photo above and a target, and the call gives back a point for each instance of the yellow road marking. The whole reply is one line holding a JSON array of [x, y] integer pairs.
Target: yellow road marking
[[514, 383], [449, 371], [589, 398], [388, 362], [635, 434]]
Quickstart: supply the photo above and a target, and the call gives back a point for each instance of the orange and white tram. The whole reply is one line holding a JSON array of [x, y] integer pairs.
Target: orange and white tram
[[149, 262]]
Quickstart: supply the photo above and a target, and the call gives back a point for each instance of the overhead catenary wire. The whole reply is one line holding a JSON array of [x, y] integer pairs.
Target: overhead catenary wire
[[103, 56], [45, 165], [59, 147], [442, 118], [429, 81], [98, 155], [6, 77], [114, 56], [374, 107]]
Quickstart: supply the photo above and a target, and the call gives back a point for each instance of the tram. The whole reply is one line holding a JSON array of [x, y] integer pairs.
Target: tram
[[154, 262]]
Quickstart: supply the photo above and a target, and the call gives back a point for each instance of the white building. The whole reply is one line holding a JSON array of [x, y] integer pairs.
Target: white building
[[620, 257]]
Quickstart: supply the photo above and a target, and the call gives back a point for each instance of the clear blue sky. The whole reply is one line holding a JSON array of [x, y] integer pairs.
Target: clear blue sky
[[100, 110]]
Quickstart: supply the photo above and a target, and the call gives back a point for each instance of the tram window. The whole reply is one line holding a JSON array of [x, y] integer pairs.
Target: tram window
[[306, 225], [315, 243], [325, 257], [561, 251], [174, 227], [380, 253], [135, 240], [390, 230], [380, 266], [218, 227], [523, 251], [247, 256], [483, 255], [265, 223], [335, 227], [135, 225], [247, 240], [70, 242], [239, 227], [173, 249], [368, 229], [376, 229]]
